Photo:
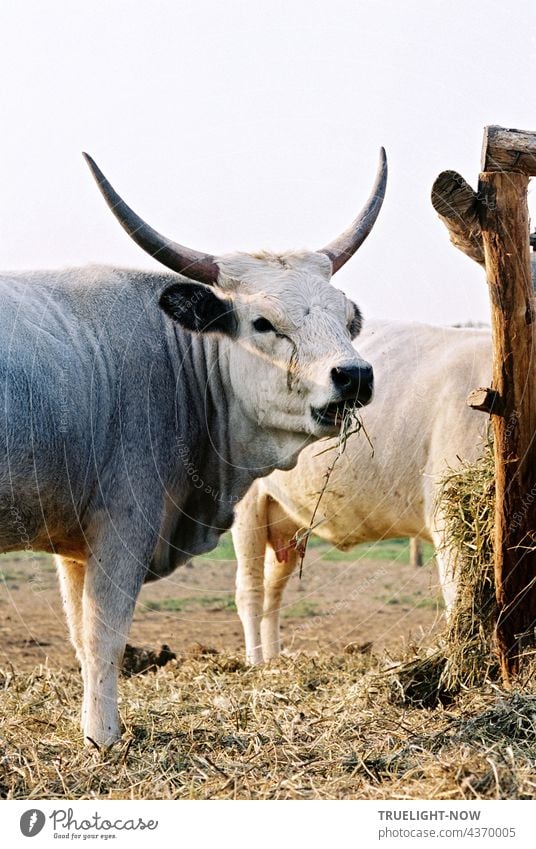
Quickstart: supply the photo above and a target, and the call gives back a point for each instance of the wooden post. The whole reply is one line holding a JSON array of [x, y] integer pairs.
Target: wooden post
[[505, 230], [415, 552]]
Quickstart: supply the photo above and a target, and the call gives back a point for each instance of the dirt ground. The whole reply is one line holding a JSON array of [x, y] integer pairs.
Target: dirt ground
[[336, 603]]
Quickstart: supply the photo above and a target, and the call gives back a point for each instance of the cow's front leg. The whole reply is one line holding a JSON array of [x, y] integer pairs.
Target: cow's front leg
[[114, 576]]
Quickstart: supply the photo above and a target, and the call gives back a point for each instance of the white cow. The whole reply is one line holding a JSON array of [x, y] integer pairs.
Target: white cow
[[420, 426]]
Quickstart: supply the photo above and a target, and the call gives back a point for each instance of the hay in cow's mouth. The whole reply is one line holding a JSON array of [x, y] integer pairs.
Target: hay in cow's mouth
[[332, 415], [349, 422]]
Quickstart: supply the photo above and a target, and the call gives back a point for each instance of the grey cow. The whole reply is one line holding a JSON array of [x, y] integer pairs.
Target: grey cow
[[130, 431]]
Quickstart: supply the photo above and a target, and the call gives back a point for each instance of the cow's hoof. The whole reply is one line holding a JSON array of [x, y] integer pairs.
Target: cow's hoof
[[102, 738], [106, 743]]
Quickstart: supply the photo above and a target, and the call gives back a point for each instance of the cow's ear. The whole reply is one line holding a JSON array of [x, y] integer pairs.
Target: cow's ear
[[356, 322], [196, 307]]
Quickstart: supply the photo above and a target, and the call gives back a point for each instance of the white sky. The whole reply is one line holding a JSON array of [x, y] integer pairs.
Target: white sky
[[239, 125]]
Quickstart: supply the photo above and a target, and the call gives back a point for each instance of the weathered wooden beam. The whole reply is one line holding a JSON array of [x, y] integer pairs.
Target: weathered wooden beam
[[505, 231], [484, 399], [456, 203], [509, 150]]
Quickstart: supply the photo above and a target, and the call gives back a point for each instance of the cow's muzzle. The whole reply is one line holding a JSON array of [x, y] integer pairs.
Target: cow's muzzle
[[354, 386]]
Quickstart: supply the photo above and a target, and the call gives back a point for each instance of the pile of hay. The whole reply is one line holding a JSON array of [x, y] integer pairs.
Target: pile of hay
[[464, 655], [467, 500]]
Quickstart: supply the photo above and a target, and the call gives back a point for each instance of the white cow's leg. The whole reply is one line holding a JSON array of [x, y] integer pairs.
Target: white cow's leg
[[249, 538], [446, 558], [281, 560], [446, 567], [113, 581], [71, 574]]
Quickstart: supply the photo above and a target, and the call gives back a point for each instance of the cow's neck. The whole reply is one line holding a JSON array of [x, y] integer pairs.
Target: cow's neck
[[220, 451], [237, 448]]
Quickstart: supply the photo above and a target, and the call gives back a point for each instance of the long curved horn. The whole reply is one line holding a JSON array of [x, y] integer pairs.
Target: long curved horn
[[197, 266], [344, 246]]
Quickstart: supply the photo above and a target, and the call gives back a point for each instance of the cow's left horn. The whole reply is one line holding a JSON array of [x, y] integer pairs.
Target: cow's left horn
[[193, 264], [344, 246]]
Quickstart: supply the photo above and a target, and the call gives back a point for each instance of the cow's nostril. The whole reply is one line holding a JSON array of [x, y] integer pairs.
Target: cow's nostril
[[353, 380], [341, 378]]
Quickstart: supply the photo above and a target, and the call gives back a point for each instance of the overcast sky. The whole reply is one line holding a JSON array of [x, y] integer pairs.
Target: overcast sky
[[239, 125]]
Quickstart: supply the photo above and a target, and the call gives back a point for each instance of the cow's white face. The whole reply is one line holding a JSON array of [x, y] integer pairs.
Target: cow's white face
[[289, 353]]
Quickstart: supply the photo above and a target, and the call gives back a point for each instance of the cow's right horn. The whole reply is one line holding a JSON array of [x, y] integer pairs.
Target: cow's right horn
[[344, 246], [193, 264]]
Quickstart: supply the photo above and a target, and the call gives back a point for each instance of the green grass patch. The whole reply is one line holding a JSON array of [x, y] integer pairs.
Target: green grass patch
[[224, 551], [385, 549], [28, 556], [388, 549], [27, 571], [9, 576], [301, 610], [413, 601], [215, 602]]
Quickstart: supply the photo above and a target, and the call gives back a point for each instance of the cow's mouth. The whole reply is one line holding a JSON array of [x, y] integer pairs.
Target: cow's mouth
[[333, 414]]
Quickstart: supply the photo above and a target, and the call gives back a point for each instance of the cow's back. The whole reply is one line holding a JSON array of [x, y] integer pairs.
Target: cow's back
[[70, 365]]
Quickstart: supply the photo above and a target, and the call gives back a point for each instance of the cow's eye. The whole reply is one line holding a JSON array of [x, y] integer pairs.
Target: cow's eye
[[262, 325]]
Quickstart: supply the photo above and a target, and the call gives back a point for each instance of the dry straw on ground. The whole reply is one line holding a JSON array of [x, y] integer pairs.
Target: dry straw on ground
[[300, 728]]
